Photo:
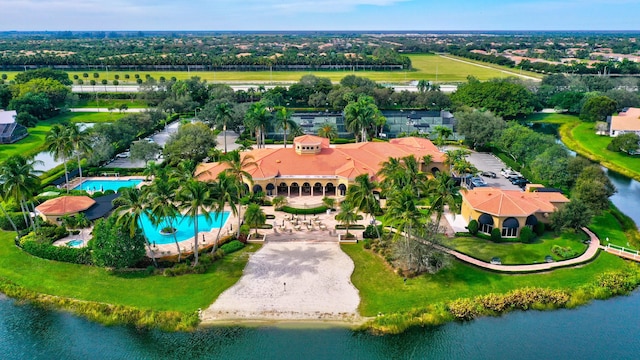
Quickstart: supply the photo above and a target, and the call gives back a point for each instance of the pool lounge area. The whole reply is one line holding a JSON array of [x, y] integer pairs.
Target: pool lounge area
[[104, 184], [183, 226]]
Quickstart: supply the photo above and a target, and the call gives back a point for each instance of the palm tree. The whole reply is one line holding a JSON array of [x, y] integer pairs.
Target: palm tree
[[279, 202], [237, 166], [4, 212], [195, 199], [402, 212], [163, 208], [360, 195], [398, 173], [223, 113], [442, 192], [60, 146], [443, 134], [256, 119], [224, 192], [328, 131], [360, 115], [19, 180], [81, 142], [133, 207], [423, 85], [284, 122], [254, 217], [347, 215]]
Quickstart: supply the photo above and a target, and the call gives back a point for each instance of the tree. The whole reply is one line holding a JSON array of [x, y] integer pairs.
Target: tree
[[256, 119], [144, 150], [43, 73], [347, 215], [627, 143], [361, 196], [55, 91], [163, 207], [593, 188], [424, 85], [254, 217], [223, 114], [597, 108], [194, 199], [279, 202], [479, 127], [129, 214], [114, 247], [19, 180], [504, 98], [551, 166], [191, 141], [60, 146], [442, 192], [225, 191], [573, 216], [284, 122], [328, 131], [237, 167], [443, 134], [81, 142], [360, 115]]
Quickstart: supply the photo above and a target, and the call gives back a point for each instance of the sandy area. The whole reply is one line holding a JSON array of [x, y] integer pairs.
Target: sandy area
[[291, 281]]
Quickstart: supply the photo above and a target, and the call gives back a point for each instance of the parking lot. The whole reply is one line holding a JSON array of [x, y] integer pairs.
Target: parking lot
[[489, 162]]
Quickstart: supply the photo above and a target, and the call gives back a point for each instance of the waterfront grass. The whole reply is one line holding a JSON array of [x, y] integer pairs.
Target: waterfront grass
[[425, 66], [184, 294], [516, 253], [581, 137], [32, 144]]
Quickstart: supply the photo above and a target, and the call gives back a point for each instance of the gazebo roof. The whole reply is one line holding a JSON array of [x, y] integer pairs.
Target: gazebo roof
[[65, 205]]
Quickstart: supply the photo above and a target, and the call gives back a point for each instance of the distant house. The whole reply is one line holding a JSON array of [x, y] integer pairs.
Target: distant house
[[54, 209], [509, 210], [627, 121], [10, 130]]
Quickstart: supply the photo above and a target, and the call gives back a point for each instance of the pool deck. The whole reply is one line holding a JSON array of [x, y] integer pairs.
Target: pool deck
[[76, 181], [84, 235]]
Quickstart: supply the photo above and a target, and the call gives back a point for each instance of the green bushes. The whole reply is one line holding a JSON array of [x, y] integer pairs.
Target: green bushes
[[496, 236], [232, 246], [311, 211], [17, 218], [370, 232], [473, 227], [526, 235], [539, 228], [58, 253], [563, 252], [523, 299]]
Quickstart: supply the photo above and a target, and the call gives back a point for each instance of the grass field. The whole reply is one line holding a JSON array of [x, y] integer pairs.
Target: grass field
[[425, 66], [518, 253], [34, 143], [581, 137], [184, 293], [111, 103]]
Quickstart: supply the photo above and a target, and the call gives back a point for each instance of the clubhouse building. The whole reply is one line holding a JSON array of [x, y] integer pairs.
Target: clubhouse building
[[311, 167], [509, 210]]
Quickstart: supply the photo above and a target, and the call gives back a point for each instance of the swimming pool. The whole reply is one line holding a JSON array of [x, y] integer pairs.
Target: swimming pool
[[184, 226], [103, 185], [75, 243]]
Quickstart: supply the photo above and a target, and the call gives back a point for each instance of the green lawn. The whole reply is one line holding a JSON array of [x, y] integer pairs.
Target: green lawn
[[424, 67], [518, 253], [112, 103], [90, 117], [382, 290], [182, 293], [32, 144], [607, 226]]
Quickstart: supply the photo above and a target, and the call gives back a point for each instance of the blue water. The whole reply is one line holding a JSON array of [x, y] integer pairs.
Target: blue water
[[75, 243], [184, 224], [104, 185]]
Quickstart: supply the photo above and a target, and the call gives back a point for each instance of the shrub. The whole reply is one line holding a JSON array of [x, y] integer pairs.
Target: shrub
[[539, 229], [526, 235], [312, 211], [473, 227], [370, 232], [496, 235], [563, 252], [58, 253], [17, 218], [231, 247]]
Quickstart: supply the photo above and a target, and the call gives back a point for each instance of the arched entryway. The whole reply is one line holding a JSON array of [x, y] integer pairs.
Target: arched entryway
[[270, 188], [435, 171], [317, 189], [330, 190], [283, 189], [510, 227], [257, 188], [485, 223], [294, 189], [306, 189], [531, 221], [342, 189]]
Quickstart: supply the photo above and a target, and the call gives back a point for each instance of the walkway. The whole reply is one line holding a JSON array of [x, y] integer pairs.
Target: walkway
[[590, 254]]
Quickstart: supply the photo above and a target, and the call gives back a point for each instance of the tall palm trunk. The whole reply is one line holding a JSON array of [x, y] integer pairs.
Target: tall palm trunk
[[215, 243], [195, 240], [239, 217], [66, 173], [175, 238], [146, 241], [13, 225], [224, 130], [285, 135], [79, 166]]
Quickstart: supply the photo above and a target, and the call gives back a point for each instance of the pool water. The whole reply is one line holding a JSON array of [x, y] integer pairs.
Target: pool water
[[75, 243], [184, 226], [104, 185]]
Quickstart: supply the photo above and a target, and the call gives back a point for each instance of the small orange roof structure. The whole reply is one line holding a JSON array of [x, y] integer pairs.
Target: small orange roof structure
[[502, 203], [312, 156], [628, 121], [65, 205]]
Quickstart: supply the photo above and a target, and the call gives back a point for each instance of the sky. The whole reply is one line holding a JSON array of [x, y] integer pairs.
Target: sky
[[266, 15]]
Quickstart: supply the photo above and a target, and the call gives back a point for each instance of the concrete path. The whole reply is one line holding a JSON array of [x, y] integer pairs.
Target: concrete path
[[590, 254]]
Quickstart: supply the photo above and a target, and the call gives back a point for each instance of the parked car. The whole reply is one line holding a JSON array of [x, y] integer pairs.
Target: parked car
[[476, 182], [124, 154], [508, 173], [490, 174], [496, 261]]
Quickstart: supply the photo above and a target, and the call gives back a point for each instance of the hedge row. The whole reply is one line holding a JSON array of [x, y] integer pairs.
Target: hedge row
[[58, 253], [232, 246], [17, 218], [311, 211]]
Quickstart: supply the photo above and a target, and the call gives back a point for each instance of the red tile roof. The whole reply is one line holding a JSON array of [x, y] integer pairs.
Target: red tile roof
[[349, 160], [65, 205], [501, 203]]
